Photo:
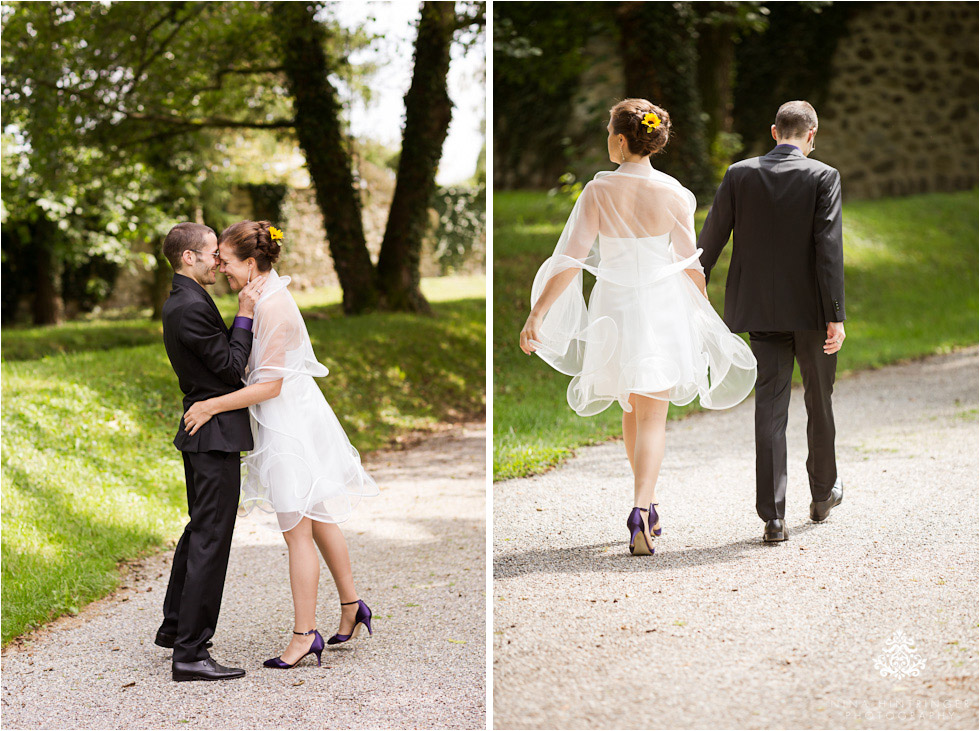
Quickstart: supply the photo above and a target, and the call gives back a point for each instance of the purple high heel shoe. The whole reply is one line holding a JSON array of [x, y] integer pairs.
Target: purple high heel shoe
[[316, 648], [639, 543], [363, 617], [654, 518]]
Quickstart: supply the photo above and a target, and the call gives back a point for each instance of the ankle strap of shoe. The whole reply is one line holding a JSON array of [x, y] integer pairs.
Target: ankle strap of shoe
[[303, 634], [344, 604]]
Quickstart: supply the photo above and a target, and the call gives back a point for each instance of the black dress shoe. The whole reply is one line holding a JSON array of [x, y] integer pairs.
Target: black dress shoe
[[204, 670], [820, 511], [165, 640], [775, 531]]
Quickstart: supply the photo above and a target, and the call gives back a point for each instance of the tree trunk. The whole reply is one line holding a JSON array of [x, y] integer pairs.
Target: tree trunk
[[318, 130], [46, 304], [428, 110], [716, 64], [657, 42]]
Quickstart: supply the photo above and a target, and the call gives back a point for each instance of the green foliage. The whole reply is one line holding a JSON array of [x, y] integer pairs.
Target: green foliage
[[738, 17], [461, 225], [725, 147], [911, 271], [102, 139], [542, 51], [660, 60], [538, 60], [91, 478], [568, 185], [119, 114], [70, 70]]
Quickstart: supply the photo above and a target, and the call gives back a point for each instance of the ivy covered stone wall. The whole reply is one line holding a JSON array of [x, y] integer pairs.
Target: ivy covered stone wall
[[894, 83], [900, 115]]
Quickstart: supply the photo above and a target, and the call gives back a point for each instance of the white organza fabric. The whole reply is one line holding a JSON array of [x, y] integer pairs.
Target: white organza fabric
[[302, 463], [647, 329]]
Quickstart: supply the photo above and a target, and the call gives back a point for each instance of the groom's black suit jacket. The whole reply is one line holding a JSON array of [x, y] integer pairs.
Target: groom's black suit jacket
[[209, 361], [787, 270]]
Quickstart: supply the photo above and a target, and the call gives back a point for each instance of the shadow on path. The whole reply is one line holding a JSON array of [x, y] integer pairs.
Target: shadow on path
[[615, 556]]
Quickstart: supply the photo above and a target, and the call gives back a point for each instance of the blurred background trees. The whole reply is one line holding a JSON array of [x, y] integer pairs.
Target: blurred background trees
[[722, 69], [586, 56], [120, 120]]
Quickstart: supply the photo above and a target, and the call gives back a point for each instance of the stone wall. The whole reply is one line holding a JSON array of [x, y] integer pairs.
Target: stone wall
[[901, 110]]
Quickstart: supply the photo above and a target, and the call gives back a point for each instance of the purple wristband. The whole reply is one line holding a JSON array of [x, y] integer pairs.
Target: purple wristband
[[245, 323]]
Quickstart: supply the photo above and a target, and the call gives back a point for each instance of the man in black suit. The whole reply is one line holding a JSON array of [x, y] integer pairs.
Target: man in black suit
[[209, 360], [786, 289]]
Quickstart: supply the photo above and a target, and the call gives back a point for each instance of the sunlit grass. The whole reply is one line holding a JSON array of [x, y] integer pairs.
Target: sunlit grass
[[23, 343], [435, 289], [911, 282]]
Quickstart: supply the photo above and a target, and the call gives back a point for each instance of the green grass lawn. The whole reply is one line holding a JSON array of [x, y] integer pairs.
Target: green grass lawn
[[91, 478], [911, 280]]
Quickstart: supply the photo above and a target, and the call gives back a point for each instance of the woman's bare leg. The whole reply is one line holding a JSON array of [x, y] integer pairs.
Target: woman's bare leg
[[629, 434], [650, 416], [304, 577], [333, 546]]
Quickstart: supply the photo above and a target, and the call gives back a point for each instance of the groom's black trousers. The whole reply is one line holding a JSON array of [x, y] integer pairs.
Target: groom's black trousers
[[197, 578], [775, 352]]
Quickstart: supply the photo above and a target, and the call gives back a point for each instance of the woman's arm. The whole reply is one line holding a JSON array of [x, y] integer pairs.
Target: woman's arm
[[200, 413], [699, 281], [576, 243], [683, 239], [552, 290]]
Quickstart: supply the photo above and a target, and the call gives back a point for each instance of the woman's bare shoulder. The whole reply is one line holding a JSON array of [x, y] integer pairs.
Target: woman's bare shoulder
[[277, 307]]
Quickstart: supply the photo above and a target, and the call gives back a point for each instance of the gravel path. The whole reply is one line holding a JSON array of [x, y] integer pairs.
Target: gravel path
[[418, 552], [718, 629]]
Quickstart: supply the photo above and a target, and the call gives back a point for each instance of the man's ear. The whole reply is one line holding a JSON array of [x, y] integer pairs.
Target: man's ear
[[773, 131]]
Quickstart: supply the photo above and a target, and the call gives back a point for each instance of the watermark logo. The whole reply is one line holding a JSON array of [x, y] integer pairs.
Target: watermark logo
[[899, 659]]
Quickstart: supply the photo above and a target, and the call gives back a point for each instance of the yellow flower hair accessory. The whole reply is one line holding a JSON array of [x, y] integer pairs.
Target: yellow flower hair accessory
[[274, 233], [651, 120]]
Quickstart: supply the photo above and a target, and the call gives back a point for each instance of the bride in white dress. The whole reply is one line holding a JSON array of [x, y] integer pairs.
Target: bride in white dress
[[648, 336], [303, 470]]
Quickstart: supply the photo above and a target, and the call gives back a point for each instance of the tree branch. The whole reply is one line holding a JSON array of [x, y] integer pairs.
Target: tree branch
[[219, 78], [145, 63], [186, 126], [211, 122]]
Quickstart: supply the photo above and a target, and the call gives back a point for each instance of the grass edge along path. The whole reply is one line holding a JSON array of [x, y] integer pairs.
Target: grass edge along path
[[91, 478], [911, 279]]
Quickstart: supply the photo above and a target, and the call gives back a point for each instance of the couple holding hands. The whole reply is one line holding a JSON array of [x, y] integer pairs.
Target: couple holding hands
[[648, 336]]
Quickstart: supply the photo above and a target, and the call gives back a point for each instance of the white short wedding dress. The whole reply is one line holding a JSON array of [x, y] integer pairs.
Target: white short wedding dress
[[646, 329], [302, 464]]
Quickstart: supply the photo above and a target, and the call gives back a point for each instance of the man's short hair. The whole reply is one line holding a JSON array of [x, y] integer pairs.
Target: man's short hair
[[185, 237], [794, 119]]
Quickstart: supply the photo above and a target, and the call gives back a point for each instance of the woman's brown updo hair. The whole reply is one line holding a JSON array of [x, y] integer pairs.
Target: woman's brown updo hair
[[627, 120], [252, 238]]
